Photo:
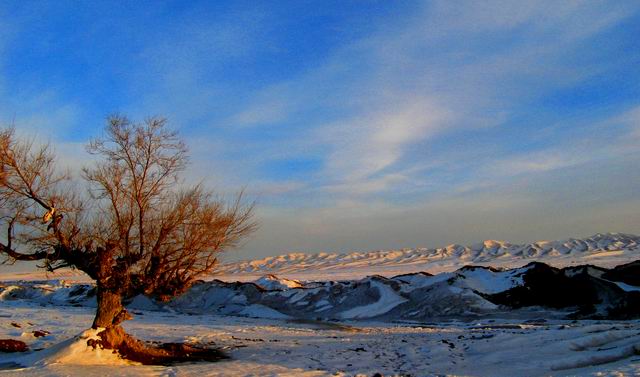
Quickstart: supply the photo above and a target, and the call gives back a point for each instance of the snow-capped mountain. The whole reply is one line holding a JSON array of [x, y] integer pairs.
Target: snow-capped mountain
[[605, 250]]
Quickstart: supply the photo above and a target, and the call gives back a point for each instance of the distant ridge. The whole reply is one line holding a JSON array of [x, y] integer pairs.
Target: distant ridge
[[606, 249], [603, 249]]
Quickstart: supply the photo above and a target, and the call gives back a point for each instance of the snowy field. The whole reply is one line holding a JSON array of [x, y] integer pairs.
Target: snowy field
[[263, 347], [460, 322]]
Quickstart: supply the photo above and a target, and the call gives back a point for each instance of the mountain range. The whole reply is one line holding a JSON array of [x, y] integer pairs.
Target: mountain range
[[606, 250]]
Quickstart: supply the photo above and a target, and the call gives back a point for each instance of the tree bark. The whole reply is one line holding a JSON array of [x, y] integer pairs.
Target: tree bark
[[110, 311]]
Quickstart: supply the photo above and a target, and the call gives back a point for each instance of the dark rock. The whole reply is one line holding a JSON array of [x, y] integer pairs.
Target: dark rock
[[40, 333], [448, 343], [549, 287], [411, 274], [474, 268], [627, 273], [12, 345]]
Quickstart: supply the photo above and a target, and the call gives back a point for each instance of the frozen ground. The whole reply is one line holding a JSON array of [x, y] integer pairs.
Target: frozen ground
[[262, 347]]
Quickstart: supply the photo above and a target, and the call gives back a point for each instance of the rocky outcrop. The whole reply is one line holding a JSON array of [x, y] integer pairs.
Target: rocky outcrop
[[627, 273], [574, 288]]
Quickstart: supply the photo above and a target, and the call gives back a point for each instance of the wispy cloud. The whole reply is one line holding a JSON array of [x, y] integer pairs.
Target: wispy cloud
[[435, 73], [375, 141], [631, 120]]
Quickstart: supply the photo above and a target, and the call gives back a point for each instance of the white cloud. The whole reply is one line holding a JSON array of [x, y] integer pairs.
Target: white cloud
[[538, 162], [369, 186], [631, 119], [375, 141]]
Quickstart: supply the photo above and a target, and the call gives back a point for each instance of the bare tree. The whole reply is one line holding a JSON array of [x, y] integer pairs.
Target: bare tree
[[131, 230]]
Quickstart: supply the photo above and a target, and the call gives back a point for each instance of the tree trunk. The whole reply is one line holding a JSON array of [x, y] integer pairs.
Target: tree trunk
[[110, 310], [110, 283], [110, 314]]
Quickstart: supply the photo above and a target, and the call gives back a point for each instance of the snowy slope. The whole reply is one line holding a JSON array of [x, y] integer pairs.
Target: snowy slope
[[270, 282], [605, 250], [472, 291]]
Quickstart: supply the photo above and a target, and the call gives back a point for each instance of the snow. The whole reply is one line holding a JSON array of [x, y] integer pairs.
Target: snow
[[142, 302], [75, 351], [488, 281], [626, 287], [267, 347], [272, 282], [417, 297], [261, 311], [388, 300], [305, 323], [606, 250], [419, 280]]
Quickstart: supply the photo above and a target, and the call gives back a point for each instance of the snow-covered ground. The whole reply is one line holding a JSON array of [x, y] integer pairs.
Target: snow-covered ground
[[463, 321], [264, 347]]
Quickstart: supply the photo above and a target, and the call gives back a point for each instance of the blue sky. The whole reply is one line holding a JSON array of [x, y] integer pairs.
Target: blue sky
[[356, 124]]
